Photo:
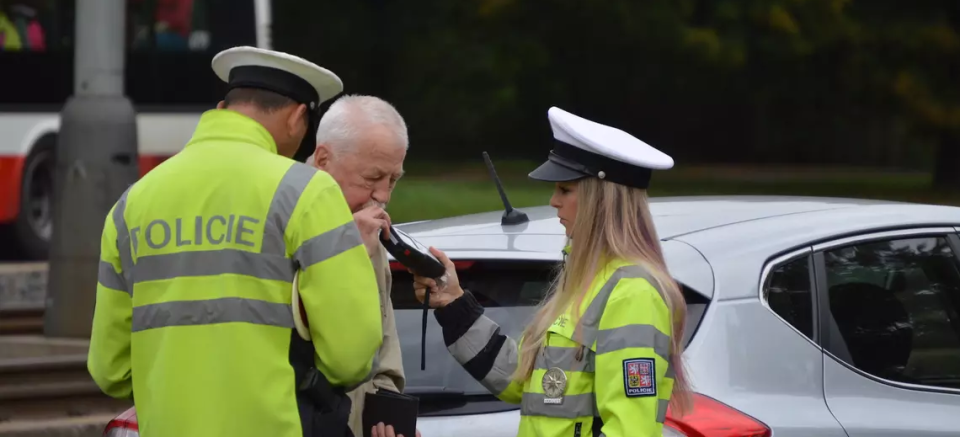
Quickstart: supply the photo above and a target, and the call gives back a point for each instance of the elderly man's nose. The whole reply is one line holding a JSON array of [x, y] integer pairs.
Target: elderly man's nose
[[382, 196]]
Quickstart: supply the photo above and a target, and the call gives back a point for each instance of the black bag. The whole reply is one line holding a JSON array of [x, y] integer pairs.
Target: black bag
[[331, 406], [324, 409]]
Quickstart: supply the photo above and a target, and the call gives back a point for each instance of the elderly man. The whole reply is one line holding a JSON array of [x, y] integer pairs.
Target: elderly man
[[361, 142]]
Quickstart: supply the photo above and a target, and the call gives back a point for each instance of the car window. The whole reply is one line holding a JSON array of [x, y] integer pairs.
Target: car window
[[166, 40], [895, 306], [788, 294], [171, 39], [493, 283], [509, 290], [36, 40]]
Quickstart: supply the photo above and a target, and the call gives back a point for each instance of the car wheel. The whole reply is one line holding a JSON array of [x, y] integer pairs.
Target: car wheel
[[34, 225]]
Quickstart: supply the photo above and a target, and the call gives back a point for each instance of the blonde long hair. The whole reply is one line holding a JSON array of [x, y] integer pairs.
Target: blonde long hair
[[613, 222]]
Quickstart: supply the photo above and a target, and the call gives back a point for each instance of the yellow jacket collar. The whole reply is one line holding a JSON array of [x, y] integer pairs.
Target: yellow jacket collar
[[228, 125]]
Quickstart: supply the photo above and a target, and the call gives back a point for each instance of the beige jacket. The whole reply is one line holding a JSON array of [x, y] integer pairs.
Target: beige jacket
[[389, 372]]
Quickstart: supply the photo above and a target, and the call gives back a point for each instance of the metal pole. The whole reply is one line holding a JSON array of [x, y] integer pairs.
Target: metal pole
[[96, 161]]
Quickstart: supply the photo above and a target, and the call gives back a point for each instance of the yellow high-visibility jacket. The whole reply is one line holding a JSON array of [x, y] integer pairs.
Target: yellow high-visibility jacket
[[618, 380], [193, 314]]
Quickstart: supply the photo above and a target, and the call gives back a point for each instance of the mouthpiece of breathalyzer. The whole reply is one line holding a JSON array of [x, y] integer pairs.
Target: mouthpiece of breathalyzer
[[423, 330]]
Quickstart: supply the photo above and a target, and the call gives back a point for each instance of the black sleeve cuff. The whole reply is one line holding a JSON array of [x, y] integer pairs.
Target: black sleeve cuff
[[458, 316]]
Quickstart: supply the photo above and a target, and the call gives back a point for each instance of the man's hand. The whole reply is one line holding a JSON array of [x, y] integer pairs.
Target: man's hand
[[370, 220], [379, 430]]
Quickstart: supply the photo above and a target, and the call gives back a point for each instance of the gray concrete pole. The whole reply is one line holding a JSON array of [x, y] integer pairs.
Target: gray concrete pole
[[96, 161]]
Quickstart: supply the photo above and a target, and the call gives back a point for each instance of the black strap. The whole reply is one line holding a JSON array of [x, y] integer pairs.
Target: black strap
[[423, 333], [597, 426], [324, 409], [309, 143]]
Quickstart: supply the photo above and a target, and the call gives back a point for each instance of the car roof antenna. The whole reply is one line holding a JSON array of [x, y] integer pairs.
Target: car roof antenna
[[510, 216]]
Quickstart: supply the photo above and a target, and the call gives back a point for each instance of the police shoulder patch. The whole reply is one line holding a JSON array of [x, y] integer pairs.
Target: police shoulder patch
[[639, 377]]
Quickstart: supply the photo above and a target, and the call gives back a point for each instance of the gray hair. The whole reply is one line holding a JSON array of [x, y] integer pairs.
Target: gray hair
[[349, 115]]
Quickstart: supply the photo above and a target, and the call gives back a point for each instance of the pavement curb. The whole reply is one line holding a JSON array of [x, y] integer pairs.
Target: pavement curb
[[23, 285], [86, 426]]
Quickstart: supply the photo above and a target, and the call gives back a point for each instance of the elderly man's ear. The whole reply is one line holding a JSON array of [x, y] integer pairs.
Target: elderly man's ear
[[321, 156]]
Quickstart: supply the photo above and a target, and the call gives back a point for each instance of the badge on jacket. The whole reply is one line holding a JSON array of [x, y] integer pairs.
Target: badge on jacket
[[554, 383], [639, 377]]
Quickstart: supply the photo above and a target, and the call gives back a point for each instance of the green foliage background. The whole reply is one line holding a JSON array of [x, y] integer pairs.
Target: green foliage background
[[857, 82]]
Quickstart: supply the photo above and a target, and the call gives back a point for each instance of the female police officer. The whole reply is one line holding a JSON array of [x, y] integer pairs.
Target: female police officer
[[602, 355]]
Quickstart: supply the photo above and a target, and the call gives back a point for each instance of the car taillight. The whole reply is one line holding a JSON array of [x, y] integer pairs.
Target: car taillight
[[459, 265], [124, 425], [710, 418]]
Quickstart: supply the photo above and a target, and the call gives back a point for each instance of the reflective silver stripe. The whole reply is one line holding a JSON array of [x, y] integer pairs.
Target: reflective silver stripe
[[108, 277], [662, 405], [573, 406], [591, 317], [566, 359], [501, 374], [671, 372], [285, 199], [214, 262], [474, 340], [328, 244], [213, 311], [611, 340], [123, 241]]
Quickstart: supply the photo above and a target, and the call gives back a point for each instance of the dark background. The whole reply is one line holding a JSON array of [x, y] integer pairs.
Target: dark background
[[866, 83]]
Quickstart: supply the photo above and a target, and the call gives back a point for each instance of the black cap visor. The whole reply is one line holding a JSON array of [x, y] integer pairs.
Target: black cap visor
[[309, 143], [556, 169], [569, 163]]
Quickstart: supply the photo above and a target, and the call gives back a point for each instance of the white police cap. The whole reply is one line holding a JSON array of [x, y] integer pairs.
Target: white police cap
[[282, 73], [583, 148]]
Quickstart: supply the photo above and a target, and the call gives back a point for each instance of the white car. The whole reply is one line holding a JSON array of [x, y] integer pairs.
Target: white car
[[806, 316]]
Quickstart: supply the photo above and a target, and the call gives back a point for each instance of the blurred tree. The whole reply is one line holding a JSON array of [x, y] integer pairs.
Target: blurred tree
[[927, 78], [905, 57], [789, 59], [812, 81]]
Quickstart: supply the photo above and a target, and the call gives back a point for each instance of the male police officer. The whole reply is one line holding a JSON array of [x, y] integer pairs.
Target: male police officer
[[193, 314]]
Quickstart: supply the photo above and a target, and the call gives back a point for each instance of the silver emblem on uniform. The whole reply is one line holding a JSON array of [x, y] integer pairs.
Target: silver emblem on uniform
[[554, 383]]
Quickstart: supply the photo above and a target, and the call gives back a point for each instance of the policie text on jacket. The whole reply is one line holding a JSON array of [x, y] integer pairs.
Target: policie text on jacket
[[213, 230]]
